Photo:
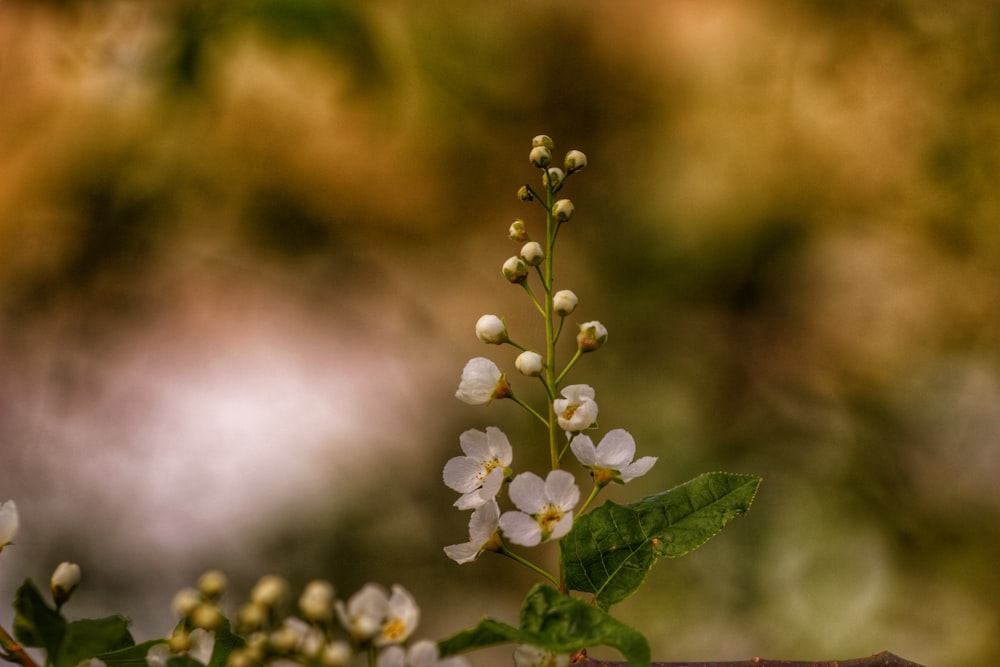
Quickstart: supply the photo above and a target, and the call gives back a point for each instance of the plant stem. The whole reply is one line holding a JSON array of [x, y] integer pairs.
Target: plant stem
[[579, 353], [504, 551], [590, 499], [527, 407], [13, 651]]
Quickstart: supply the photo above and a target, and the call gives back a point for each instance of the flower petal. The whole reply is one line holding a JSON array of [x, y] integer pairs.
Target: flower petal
[[485, 493], [461, 474], [561, 490], [563, 527], [484, 523], [637, 469], [584, 450], [617, 449], [527, 492], [474, 443], [520, 528], [499, 446]]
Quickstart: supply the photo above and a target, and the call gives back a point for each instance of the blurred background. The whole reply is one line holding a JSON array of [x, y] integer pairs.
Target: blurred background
[[243, 245]]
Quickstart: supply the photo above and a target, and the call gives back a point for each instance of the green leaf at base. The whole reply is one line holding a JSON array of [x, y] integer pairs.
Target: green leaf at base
[[610, 550], [557, 622]]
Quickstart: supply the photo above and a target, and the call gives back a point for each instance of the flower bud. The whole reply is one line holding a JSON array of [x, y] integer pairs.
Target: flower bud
[[564, 302], [250, 617], [206, 616], [542, 140], [563, 210], [530, 363], [592, 336], [336, 654], [552, 178], [8, 523], [184, 601], [574, 161], [179, 641], [64, 581], [524, 193], [316, 601], [491, 330], [532, 253], [515, 270], [270, 591], [212, 584], [518, 232], [540, 157]]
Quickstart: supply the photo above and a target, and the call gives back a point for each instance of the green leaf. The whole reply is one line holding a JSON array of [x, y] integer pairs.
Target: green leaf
[[225, 643], [132, 656], [558, 622], [90, 637], [36, 624], [610, 550]]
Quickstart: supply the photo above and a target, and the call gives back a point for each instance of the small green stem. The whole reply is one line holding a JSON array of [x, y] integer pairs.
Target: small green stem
[[579, 353], [504, 551], [517, 345], [590, 499], [531, 294], [527, 407]]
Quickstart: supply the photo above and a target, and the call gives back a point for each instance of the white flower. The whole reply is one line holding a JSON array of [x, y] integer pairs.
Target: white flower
[[8, 523], [612, 459], [530, 363], [364, 612], [64, 581], [202, 645], [483, 525], [564, 302], [490, 329], [402, 616], [481, 382], [526, 655], [185, 601], [546, 507], [515, 270], [577, 410], [574, 161], [423, 653], [316, 601], [480, 473]]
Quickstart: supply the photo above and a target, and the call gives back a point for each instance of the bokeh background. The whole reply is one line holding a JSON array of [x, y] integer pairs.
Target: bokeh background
[[243, 245]]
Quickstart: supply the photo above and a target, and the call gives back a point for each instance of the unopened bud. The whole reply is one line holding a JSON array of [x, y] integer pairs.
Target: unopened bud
[[251, 617], [336, 654], [185, 601], [542, 140], [491, 330], [515, 270], [540, 157], [518, 232], [574, 161], [212, 584], [524, 193], [64, 581], [206, 616], [552, 178], [532, 253], [316, 601], [270, 591], [564, 302], [592, 336], [530, 363], [179, 642], [563, 210]]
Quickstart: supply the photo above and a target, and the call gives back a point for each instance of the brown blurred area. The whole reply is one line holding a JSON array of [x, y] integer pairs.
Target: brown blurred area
[[243, 246]]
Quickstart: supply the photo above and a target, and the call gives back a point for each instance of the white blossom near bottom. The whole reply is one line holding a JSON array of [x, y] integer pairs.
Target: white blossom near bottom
[[546, 507], [423, 653], [483, 526]]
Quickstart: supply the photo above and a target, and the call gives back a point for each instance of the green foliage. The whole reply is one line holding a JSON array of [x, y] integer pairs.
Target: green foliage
[[610, 550], [38, 625], [557, 622]]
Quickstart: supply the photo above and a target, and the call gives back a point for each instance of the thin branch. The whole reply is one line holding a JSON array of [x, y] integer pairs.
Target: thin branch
[[880, 659]]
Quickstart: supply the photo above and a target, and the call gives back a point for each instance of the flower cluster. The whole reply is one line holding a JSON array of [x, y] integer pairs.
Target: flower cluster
[[543, 508], [321, 630]]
